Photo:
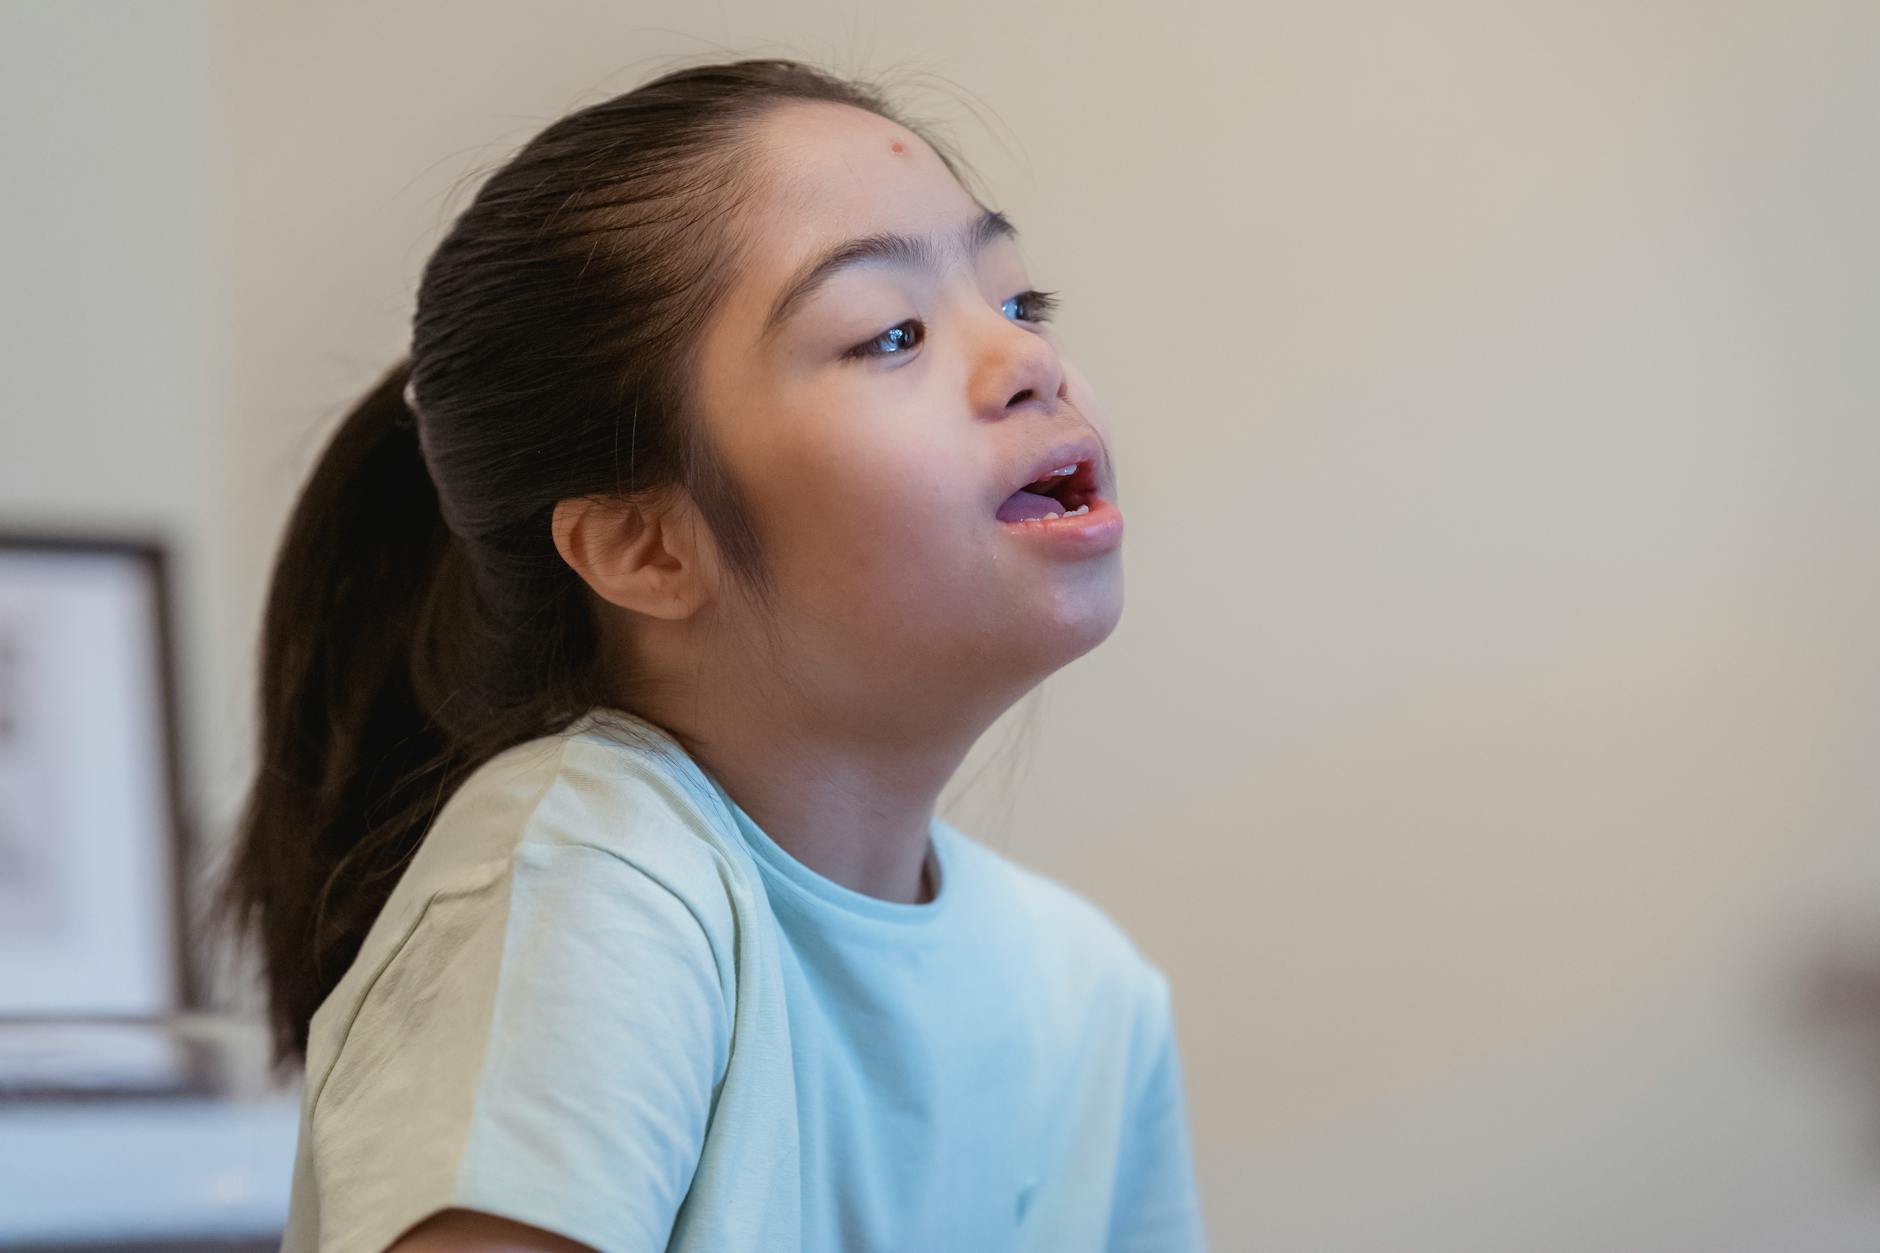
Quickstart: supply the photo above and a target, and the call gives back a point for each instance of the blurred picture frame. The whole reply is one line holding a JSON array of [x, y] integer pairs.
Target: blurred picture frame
[[93, 845]]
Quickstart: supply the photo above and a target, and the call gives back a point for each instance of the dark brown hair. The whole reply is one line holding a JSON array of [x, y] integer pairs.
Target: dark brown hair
[[419, 619]]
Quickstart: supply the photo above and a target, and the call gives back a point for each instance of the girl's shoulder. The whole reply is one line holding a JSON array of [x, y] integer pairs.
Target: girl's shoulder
[[609, 783], [602, 818], [549, 995]]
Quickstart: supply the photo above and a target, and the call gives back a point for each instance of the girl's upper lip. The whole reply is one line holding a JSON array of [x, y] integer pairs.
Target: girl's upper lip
[[1081, 450]]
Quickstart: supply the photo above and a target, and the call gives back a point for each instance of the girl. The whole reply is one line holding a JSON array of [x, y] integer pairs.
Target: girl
[[617, 652]]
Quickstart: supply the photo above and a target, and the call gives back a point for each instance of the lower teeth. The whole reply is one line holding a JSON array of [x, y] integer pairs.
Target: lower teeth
[[1067, 514]]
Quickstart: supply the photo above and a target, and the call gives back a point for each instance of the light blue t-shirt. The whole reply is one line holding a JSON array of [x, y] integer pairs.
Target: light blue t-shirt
[[602, 1001]]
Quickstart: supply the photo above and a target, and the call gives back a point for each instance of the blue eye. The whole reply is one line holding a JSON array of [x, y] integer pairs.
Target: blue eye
[[1041, 303], [1038, 306], [900, 336]]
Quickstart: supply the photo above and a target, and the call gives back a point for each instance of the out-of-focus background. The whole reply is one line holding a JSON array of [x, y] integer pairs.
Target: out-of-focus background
[[1490, 749]]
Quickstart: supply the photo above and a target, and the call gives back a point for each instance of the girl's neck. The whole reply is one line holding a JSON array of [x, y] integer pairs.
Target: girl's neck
[[856, 810]]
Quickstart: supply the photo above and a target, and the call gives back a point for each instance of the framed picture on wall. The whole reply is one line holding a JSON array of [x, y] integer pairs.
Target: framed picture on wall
[[92, 842]]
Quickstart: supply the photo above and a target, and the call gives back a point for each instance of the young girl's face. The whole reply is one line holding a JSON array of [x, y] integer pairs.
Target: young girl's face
[[879, 419]]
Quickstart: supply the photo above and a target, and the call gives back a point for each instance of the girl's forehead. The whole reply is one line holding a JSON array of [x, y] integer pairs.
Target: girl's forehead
[[835, 175], [817, 137], [836, 172]]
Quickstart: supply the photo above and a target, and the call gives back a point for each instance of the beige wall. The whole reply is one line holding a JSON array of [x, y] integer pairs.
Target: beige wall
[[1488, 748]]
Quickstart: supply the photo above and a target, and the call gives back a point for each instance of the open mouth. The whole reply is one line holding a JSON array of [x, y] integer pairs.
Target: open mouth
[[1070, 489]]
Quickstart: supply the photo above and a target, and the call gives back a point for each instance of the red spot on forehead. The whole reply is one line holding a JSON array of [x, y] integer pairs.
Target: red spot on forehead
[[896, 147]]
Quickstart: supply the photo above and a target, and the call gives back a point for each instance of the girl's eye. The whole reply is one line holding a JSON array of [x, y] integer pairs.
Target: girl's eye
[[1042, 304], [901, 338], [1028, 306]]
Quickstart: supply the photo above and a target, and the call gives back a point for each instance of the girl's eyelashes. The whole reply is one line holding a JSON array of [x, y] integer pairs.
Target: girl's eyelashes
[[1041, 303], [1038, 307]]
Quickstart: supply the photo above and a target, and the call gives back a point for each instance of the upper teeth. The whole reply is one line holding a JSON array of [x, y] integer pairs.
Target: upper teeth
[[1065, 470]]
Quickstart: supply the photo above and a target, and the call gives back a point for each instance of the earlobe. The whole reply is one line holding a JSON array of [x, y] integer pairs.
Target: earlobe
[[638, 555]]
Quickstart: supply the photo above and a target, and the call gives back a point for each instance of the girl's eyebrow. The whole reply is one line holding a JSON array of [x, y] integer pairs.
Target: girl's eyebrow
[[914, 252]]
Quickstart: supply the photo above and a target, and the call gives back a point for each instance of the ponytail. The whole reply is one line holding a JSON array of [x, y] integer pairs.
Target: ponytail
[[350, 760]]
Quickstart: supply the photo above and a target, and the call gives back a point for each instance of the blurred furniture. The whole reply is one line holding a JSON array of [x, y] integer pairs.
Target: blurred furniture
[[125, 1122], [150, 1172]]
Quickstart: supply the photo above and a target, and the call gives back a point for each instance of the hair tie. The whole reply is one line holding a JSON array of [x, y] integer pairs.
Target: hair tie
[[408, 420]]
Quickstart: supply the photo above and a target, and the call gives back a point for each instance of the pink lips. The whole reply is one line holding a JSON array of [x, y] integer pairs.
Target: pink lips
[[1074, 535], [1097, 530]]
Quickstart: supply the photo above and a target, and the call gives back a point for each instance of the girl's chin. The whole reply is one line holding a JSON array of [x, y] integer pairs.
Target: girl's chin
[[1076, 615]]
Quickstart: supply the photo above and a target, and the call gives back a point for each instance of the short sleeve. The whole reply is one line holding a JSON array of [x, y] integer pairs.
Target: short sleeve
[[1156, 1206], [544, 1045]]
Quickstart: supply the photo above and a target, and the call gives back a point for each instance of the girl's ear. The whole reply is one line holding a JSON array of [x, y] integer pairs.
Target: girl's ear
[[652, 555]]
